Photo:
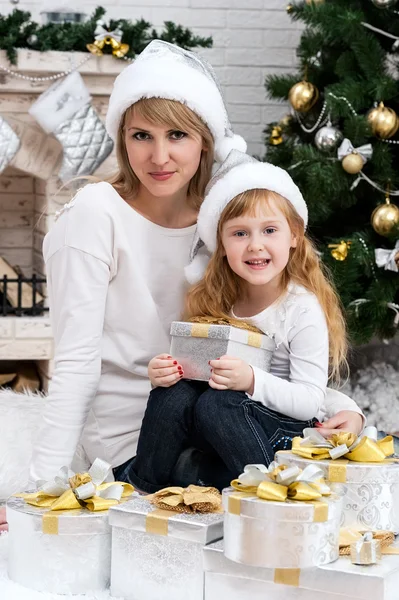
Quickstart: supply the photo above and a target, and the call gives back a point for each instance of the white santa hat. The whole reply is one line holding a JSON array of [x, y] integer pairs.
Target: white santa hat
[[239, 173], [164, 70]]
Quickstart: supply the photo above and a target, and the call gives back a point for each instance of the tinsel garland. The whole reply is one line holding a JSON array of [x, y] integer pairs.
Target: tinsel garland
[[18, 30]]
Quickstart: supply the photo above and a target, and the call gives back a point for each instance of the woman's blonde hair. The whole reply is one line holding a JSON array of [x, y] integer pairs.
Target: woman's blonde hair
[[218, 291], [170, 113]]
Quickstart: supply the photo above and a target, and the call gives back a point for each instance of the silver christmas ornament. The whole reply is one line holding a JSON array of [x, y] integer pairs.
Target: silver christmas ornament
[[327, 138], [32, 39], [14, 1], [384, 3]]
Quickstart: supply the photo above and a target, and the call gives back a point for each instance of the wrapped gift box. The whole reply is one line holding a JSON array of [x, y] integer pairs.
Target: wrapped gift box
[[371, 498], [194, 344], [340, 580], [157, 554], [286, 535], [62, 552]]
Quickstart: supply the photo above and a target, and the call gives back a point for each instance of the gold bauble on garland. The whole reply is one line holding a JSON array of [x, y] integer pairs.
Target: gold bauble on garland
[[340, 251], [385, 218], [303, 95], [383, 120], [310, 2], [352, 163]]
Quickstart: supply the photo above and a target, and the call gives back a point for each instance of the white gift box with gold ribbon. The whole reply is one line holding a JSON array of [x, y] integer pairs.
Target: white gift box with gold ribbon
[[157, 554], [285, 535], [371, 499], [340, 580], [194, 344], [62, 552]]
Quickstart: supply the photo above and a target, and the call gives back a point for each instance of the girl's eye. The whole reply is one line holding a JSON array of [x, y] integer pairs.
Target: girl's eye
[[270, 229], [177, 135], [141, 136], [240, 233]]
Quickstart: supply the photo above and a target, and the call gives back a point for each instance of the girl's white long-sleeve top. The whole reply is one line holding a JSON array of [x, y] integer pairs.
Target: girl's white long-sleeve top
[[297, 383], [115, 284]]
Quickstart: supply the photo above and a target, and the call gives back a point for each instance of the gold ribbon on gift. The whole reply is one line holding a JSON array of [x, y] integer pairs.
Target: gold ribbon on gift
[[194, 498], [279, 483], [201, 325], [69, 491], [348, 445]]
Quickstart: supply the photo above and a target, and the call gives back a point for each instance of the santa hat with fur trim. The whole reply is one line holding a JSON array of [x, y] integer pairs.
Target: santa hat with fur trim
[[239, 173], [164, 70]]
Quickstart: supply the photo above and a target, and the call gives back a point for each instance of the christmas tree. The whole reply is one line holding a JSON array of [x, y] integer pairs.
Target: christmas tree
[[340, 144]]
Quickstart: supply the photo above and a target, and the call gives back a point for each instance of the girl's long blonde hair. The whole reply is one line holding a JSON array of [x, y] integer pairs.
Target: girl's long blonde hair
[[173, 114], [216, 294]]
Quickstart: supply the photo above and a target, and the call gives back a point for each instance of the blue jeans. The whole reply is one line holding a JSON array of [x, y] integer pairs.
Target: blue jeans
[[192, 433]]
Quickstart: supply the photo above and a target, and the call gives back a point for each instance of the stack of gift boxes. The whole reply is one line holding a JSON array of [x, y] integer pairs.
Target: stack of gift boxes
[[274, 534]]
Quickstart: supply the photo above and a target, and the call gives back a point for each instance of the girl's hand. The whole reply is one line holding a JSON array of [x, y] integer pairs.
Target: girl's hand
[[3, 521], [164, 371], [230, 373], [344, 420]]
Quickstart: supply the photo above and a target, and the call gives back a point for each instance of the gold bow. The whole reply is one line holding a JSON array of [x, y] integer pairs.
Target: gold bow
[[194, 498], [279, 482], [359, 449], [69, 491]]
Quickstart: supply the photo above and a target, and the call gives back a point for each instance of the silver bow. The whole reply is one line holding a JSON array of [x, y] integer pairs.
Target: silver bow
[[386, 258], [313, 439], [98, 472], [101, 33], [346, 148]]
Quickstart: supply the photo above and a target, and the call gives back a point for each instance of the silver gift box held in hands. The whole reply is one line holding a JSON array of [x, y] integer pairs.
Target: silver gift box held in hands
[[194, 344]]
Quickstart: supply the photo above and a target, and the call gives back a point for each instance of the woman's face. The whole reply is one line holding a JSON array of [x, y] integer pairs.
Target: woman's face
[[163, 159]]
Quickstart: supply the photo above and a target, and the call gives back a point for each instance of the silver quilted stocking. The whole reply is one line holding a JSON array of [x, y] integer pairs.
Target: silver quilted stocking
[[9, 144], [85, 142]]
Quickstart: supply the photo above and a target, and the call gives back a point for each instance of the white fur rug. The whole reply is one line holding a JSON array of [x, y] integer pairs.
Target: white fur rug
[[13, 591]]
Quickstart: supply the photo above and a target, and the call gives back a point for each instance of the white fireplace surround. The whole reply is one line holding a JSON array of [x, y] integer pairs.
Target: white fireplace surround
[[29, 187]]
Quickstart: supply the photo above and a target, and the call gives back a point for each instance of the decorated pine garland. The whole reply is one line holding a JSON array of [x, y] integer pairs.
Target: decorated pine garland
[[18, 30]]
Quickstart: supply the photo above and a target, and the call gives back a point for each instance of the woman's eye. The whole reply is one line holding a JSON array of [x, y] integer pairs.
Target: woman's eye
[[177, 135], [141, 136]]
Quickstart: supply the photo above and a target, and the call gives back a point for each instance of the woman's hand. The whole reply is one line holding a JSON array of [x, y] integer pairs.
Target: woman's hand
[[164, 371], [3, 521], [230, 373], [344, 420]]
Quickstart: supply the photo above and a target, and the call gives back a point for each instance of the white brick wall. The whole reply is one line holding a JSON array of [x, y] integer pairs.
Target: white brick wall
[[251, 39]]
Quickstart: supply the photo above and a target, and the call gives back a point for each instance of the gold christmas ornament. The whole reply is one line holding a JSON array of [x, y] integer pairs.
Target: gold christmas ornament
[[340, 251], [103, 37], [385, 218], [316, 2], [353, 163], [383, 120], [303, 95], [289, 8], [276, 137]]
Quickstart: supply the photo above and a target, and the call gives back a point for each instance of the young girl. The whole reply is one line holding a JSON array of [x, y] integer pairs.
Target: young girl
[[263, 270]]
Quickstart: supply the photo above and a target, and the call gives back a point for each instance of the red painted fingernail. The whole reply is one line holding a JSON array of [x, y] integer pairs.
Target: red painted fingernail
[[180, 370], [168, 356], [175, 362], [181, 375], [317, 424]]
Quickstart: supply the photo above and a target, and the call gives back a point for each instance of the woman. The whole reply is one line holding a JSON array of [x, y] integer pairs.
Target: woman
[[115, 258]]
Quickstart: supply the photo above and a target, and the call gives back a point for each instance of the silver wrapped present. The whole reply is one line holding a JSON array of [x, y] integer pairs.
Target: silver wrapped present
[[194, 344], [60, 552], [284, 535], [157, 554], [340, 580], [371, 498]]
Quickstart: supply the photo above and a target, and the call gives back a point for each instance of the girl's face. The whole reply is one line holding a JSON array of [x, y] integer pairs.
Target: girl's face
[[163, 159], [257, 247]]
